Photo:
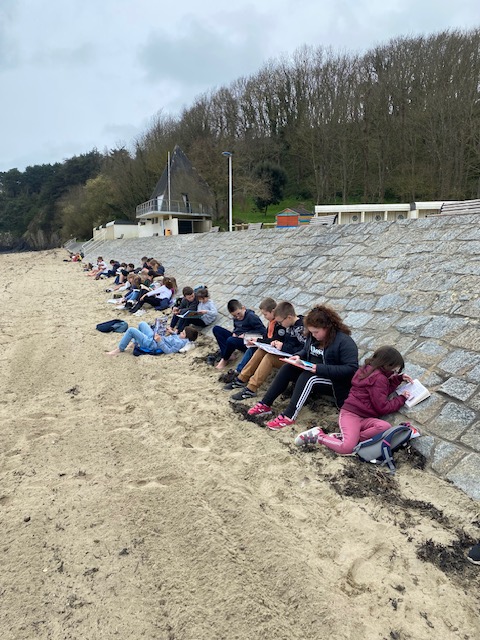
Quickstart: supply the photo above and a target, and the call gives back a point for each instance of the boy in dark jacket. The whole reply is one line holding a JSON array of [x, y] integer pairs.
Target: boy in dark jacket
[[288, 337], [244, 321]]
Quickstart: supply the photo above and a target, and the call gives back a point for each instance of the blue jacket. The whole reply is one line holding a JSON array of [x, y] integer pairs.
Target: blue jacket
[[171, 344]]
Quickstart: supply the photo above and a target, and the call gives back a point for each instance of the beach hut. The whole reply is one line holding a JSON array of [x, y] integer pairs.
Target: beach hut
[[293, 217]]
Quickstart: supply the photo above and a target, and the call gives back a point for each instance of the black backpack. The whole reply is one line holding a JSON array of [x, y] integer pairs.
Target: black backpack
[[119, 326]]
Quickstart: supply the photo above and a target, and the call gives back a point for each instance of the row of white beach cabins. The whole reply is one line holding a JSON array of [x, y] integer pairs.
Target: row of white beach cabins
[[152, 221]]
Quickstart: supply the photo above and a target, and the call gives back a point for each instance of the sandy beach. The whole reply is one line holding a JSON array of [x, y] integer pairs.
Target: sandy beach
[[136, 503]]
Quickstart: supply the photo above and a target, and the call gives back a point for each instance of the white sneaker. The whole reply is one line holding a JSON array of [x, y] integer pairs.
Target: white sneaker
[[112, 301], [308, 437], [139, 313], [121, 306]]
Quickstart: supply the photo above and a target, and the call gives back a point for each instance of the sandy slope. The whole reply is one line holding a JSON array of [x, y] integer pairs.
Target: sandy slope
[[134, 503]]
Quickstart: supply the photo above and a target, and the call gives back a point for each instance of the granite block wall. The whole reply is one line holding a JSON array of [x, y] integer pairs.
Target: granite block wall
[[414, 284]]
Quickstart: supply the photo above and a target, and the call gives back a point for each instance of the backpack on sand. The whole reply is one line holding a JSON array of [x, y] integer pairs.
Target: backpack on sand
[[380, 448], [119, 326]]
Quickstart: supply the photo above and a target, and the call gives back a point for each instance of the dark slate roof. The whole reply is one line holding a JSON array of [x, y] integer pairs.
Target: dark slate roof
[[179, 164]]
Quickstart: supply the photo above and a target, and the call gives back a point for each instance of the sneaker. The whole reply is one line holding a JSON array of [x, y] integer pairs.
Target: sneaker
[[415, 432], [139, 313], [236, 383], [260, 409], [474, 554], [308, 437], [120, 306], [244, 394], [280, 422]]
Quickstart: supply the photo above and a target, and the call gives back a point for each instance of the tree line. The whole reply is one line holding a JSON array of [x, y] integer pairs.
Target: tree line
[[400, 122]]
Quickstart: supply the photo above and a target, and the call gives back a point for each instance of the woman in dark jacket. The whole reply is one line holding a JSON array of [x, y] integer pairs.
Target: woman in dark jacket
[[332, 359]]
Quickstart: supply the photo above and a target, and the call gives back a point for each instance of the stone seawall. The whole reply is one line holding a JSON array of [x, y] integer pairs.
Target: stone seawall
[[414, 284]]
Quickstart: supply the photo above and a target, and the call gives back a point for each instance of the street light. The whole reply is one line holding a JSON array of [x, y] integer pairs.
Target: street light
[[229, 154]]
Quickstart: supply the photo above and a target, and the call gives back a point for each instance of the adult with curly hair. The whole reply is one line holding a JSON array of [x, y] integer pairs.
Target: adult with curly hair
[[327, 361]]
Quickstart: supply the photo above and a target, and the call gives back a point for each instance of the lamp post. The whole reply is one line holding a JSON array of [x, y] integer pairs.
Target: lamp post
[[229, 154]]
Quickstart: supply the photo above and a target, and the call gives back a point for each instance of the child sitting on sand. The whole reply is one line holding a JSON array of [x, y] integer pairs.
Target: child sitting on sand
[[205, 308], [152, 342], [367, 401], [161, 297], [244, 321], [288, 336]]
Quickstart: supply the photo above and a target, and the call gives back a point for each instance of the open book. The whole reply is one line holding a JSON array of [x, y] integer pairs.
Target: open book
[[247, 337], [417, 392], [190, 314], [269, 349], [160, 326]]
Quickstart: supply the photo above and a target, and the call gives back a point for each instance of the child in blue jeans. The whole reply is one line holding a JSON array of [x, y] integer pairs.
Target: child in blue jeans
[[152, 342], [244, 321]]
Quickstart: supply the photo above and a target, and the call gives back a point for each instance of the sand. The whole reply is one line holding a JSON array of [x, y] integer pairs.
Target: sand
[[135, 503]]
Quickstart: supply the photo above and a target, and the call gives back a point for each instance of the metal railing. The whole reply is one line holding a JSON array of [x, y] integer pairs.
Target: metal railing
[[88, 246], [174, 206]]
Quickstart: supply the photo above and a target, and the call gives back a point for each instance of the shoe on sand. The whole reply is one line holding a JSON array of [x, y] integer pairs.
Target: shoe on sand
[[260, 409], [280, 422], [308, 437], [244, 394], [474, 554]]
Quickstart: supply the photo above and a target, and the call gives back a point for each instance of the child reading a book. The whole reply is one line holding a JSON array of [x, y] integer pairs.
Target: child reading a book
[[288, 337], [368, 400], [332, 360], [161, 297], [152, 342], [267, 308], [188, 302], [244, 321], [204, 313]]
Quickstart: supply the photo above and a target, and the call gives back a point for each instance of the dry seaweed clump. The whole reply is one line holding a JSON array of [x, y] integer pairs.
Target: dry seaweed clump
[[451, 559]]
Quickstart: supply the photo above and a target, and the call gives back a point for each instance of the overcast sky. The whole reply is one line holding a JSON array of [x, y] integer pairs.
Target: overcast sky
[[79, 74]]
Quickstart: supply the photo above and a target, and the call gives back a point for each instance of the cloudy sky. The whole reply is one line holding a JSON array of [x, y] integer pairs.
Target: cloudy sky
[[79, 74]]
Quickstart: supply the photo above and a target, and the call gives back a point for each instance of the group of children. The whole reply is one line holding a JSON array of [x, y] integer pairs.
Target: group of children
[[315, 352], [148, 284], [311, 352]]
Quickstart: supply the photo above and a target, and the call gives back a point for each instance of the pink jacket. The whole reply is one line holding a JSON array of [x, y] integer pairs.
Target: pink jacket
[[368, 397]]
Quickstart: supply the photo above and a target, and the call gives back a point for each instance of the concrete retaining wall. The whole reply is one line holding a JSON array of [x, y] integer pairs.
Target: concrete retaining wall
[[414, 284]]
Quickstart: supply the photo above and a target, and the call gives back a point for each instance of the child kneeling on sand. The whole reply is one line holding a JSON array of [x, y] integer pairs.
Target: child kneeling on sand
[[152, 342]]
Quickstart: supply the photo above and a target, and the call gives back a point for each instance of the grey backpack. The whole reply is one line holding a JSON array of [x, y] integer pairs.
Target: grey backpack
[[380, 448]]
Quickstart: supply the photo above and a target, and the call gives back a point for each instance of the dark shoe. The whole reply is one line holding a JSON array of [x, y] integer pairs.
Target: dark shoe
[[244, 394], [234, 384], [474, 554]]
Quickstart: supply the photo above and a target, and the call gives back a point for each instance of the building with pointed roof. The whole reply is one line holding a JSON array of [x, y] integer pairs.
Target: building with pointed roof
[[182, 201]]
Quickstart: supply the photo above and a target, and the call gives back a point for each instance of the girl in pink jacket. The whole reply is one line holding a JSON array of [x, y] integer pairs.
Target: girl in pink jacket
[[367, 401]]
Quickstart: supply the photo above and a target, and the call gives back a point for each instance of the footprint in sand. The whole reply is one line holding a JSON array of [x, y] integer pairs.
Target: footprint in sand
[[153, 483], [360, 575]]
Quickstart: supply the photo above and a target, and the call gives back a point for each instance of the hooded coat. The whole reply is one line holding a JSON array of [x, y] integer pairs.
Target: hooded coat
[[369, 396]]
